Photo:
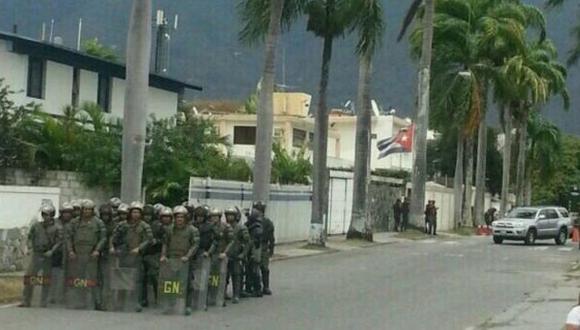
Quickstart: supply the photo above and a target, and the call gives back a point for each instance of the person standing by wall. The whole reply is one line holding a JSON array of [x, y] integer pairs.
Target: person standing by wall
[[405, 214], [397, 214]]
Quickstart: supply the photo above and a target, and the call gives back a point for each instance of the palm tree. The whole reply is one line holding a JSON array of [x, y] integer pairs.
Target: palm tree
[[135, 112], [327, 19], [537, 75], [368, 21], [545, 140], [472, 38], [423, 90], [270, 13]]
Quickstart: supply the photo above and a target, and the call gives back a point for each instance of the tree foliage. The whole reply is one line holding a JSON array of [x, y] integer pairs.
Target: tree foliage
[[290, 167], [557, 189], [95, 48]]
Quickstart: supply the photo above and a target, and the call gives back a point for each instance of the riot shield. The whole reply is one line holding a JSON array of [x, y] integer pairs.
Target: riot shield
[[36, 281], [81, 282], [57, 286], [125, 282], [173, 285], [105, 291], [201, 276], [217, 282]]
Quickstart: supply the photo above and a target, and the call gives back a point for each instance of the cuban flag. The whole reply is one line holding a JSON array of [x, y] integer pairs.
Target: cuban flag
[[402, 142]]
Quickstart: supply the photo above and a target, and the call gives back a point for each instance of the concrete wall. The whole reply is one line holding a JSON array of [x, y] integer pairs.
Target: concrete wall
[[162, 104], [289, 206], [58, 86], [19, 204], [68, 183], [19, 207]]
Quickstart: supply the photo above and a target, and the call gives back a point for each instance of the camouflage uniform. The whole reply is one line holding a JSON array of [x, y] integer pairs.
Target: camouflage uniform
[[132, 236], [86, 238], [181, 242], [44, 239], [236, 251], [151, 254], [254, 257]]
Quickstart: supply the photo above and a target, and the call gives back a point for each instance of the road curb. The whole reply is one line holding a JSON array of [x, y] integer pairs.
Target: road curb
[[331, 251]]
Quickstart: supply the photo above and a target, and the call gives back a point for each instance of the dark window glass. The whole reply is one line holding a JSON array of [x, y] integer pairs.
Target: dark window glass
[[298, 138], [104, 93], [36, 73], [245, 135]]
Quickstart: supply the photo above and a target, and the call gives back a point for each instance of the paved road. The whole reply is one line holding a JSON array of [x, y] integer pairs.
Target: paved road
[[431, 284]]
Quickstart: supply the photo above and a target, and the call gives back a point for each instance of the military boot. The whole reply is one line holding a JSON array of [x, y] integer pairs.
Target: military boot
[[266, 283]]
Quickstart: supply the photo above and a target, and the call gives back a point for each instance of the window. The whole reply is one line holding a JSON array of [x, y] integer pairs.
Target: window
[[564, 213], [75, 87], [36, 77], [104, 93], [310, 136], [552, 214], [245, 135], [298, 138]]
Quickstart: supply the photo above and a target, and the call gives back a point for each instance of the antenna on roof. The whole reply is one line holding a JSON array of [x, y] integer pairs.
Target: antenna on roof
[[79, 35], [43, 32], [162, 42], [51, 31]]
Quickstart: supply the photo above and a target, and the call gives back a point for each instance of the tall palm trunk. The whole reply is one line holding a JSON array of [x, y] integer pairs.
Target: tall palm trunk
[[506, 162], [458, 181], [467, 216], [320, 172], [360, 226], [422, 121], [264, 129], [480, 171], [521, 162], [136, 91]]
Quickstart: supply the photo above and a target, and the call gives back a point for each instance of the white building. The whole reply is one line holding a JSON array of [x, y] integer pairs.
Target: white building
[[55, 76], [294, 129]]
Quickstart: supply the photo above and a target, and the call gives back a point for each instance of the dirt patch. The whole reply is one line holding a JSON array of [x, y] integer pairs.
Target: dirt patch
[[10, 289], [413, 235]]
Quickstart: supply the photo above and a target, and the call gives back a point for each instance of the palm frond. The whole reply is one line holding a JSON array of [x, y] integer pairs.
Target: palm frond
[[409, 17]]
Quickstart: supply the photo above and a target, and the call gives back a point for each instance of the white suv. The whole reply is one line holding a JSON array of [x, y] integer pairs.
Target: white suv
[[530, 223]]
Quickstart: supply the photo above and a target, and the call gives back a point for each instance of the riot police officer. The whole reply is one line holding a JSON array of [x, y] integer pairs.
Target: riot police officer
[[86, 238], [106, 215], [267, 245], [151, 254], [181, 240], [236, 251], [254, 258], [44, 238], [65, 216], [130, 239], [208, 232], [122, 213]]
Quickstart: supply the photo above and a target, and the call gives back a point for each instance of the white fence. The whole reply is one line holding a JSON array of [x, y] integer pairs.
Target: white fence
[[289, 206], [20, 204]]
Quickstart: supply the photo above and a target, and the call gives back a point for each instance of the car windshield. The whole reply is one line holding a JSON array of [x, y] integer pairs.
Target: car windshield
[[522, 213]]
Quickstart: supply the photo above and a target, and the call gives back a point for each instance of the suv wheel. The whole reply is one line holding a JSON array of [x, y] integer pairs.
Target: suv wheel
[[497, 240], [530, 237], [562, 236]]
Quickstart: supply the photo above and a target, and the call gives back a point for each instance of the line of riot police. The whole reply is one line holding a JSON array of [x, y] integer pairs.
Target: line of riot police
[[132, 256]]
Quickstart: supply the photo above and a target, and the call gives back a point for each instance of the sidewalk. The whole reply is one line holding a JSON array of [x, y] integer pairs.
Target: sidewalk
[[545, 308], [333, 244]]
